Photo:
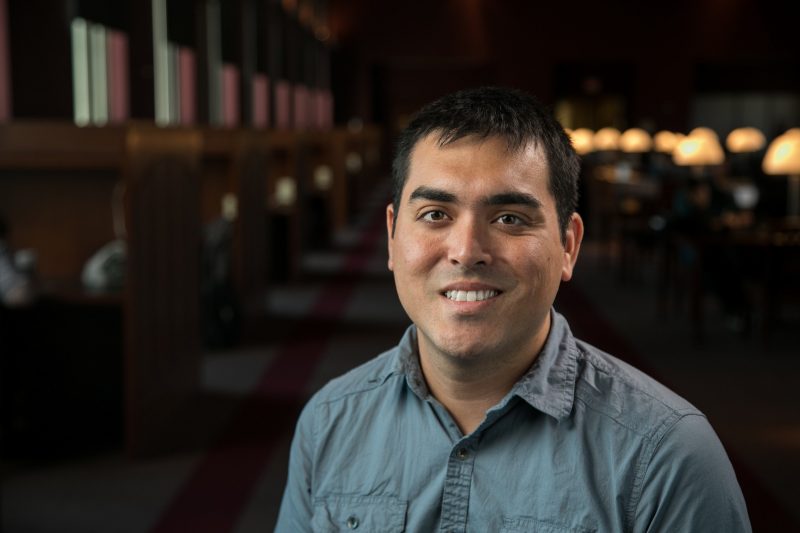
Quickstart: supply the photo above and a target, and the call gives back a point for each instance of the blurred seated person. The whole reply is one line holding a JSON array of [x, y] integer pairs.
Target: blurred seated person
[[15, 286], [704, 211]]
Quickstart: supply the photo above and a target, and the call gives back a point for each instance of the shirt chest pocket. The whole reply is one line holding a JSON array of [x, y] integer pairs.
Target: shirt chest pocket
[[351, 513]]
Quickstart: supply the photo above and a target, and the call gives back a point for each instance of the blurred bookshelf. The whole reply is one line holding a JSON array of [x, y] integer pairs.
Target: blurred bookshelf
[[240, 63]]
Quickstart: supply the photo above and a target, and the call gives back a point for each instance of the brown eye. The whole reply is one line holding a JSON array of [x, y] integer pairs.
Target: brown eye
[[434, 216], [510, 220]]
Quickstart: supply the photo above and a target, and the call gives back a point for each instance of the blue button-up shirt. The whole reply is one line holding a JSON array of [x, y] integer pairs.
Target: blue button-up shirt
[[582, 442]]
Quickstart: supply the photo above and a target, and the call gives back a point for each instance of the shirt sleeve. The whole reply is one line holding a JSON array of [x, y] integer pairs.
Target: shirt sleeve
[[689, 484], [296, 508]]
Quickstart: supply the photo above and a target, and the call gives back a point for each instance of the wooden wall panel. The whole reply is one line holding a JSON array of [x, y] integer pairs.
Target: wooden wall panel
[[163, 287]]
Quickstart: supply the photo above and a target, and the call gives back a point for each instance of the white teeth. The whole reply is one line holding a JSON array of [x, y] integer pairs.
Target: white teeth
[[470, 296]]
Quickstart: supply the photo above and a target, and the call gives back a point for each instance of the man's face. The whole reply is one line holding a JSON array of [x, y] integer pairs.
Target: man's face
[[476, 253]]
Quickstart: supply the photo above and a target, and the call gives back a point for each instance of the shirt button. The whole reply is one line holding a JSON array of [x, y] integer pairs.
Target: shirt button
[[462, 453], [352, 522]]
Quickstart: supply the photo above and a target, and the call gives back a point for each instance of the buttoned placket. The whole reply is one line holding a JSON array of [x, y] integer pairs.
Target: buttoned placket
[[455, 496]]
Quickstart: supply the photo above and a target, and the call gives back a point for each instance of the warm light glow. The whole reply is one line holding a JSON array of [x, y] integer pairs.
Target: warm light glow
[[666, 141], [285, 191], [704, 132], [745, 140], [323, 177], [582, 140], [607, 139], [698, 149], [230, 207], [635, 140], [783, 157], [783, 154]]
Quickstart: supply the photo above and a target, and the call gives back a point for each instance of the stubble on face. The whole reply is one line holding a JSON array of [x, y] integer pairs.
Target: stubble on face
[[466, 245]]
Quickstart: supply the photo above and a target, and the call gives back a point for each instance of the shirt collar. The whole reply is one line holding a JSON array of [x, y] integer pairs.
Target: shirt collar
[[407, 363], [549, 385]]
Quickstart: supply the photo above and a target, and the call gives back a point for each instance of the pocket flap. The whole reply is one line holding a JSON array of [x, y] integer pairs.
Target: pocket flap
[[382, 514]]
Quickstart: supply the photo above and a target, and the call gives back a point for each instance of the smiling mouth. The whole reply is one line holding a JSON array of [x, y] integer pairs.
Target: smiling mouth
[[470, 296]]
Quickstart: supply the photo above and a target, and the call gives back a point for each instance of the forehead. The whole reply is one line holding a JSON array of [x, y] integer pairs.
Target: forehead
[[478, 163]]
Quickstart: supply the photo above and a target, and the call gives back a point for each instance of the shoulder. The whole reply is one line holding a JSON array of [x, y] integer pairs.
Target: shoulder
[[690, 484], [363, 379], [626, 395], [348, 407], [683, 479]]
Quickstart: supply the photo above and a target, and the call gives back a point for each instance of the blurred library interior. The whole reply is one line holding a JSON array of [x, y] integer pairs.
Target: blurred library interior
[[192, 234]]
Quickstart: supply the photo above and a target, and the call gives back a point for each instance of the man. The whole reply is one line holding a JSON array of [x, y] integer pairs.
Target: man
[[489, 415]]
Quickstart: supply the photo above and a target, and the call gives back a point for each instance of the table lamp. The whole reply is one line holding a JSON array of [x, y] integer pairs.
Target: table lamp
[[607, 139], [582, 140], [635, 141], [742, 140], [700, 148], [783, 157], [666, 141]]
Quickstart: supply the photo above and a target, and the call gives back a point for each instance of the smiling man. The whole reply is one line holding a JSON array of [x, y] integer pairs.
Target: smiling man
[[489, 415]]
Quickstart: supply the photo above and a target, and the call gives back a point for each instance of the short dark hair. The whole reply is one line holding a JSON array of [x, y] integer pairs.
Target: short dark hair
[[515, 116]]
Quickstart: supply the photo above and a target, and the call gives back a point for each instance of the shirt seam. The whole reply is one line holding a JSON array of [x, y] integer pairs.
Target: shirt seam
[[654, 443], [599, 365], [381, 381], [315, 431]]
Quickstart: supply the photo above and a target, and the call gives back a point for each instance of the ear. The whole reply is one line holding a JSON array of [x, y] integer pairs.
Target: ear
[[572, 245], [390, 231]]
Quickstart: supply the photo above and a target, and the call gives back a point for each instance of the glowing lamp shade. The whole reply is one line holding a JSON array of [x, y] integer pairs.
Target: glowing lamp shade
[[666, 141], [783, 154], [743, 140], [635, 140], [704, 132], [698, 151], [582, 140], [783, 157], [607, 139]]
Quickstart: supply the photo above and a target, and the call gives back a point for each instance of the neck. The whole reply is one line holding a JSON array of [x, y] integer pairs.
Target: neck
[[468, 388]]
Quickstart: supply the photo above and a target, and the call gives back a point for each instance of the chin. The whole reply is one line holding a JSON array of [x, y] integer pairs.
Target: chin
[[464, 351]]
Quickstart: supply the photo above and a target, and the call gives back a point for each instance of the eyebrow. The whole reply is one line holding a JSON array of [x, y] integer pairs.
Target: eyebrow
[[504, 198], [513, 198], [435, 195]]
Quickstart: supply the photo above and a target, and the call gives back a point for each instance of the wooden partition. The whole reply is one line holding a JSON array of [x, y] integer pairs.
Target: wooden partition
[[59, 187], [162, 359], [234, 169], [359, 164], [324, 179], [284, 191]]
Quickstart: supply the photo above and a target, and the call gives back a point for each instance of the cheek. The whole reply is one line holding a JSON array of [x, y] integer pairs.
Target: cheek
[[539, 265], [415, 255]]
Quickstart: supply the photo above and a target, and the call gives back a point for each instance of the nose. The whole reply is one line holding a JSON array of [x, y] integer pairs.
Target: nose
[[468, 244]]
